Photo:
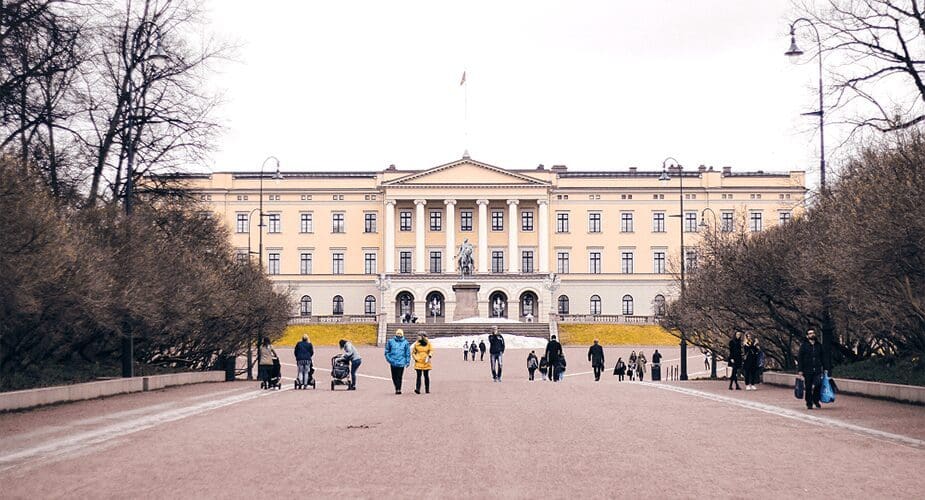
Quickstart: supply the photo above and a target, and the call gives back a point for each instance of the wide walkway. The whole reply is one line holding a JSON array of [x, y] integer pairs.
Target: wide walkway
[[470, 437]]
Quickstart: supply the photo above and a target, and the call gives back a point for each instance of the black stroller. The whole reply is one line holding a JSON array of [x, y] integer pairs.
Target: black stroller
[[311, 378], [272, 378], [340, 371]]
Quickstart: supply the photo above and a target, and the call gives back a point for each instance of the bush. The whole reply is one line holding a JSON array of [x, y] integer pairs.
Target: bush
[[893, 370]]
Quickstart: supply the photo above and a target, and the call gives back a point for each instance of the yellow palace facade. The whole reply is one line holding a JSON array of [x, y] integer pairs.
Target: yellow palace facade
[[547, 243]]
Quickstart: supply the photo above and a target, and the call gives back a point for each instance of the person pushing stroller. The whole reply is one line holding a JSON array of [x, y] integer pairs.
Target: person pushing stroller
[[304, 351]]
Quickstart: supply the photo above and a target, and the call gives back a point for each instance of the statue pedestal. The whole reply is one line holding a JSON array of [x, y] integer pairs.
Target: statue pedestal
[[467, 300]]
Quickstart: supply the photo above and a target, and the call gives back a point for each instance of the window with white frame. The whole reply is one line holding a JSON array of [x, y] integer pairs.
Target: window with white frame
[[337, 222], [436, 220], [273, 263], [404, 261], [497, 220], [526, 261], [436, 261], [465, 220], [727, 221], [594, 262], [626, 262], [754, 221], [595, 305], [369, 222], [337, 263], [305, 306], [274, 223], [404, 220], [369, 305], [562, 262], [242, 224], [563, 304], [594, 222], [497, 261], [369, 263], [626, 222], [306, 224], [526, 220], [658, 222], [627, 305], [305, 263], [658, 262], [690, 222], [783, 217], [561, 222], [338, 306]]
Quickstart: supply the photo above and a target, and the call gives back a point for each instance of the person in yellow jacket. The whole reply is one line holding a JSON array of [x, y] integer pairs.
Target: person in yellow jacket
[[422, 352]]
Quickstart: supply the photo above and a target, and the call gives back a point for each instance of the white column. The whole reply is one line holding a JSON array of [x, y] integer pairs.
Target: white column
[[420, 263], [483, 236], [513, 260], [389, 236], [450, 225], [543, 227]]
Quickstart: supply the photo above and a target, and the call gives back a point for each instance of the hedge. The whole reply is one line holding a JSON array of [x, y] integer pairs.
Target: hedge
[[611, 335]]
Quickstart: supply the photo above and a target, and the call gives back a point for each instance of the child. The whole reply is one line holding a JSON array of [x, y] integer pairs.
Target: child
[[532, 363], [631, 369], [544, 367], [560, 369]]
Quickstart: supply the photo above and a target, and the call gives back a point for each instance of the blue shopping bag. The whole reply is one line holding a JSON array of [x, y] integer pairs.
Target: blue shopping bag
[[826, 394], [798, 387]]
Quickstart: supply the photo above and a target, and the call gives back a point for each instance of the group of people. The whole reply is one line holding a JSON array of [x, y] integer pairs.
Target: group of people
[[636, 366], [470, 348], [551, 365], [399, 353], [745, 354]]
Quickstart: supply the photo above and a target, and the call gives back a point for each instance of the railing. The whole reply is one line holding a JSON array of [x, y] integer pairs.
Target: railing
[[606, 318], [339, 318]]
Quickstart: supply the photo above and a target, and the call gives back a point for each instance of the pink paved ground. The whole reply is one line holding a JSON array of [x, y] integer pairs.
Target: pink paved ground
[[470, 437]]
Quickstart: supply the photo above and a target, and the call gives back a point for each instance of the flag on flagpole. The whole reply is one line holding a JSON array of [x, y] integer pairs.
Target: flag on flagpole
[[463, 79]]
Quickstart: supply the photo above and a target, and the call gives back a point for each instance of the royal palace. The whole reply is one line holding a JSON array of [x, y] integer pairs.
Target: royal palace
[[547, 244]]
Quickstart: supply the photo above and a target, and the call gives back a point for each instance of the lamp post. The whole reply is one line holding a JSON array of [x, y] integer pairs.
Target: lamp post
[[278, 175], [665, 178], [703, 225], [128, 341], [794, 52]]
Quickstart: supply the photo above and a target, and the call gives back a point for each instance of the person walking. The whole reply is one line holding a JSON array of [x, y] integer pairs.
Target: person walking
[[473, 348], [304, 351], [560, 369], [422, 352], [532, 363], [482, 349], [353, 356], [706, 359], [596, 357], [631, 368], [553, 353], [656, 365], [398, 354], [810, 360], [496, 352], [466, 351], [266, 356], [620, 369], [544, 367], [735, 359], [641, 366], [632, 358], [750, 364]]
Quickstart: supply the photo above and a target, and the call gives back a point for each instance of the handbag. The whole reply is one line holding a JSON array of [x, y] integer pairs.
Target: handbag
[[826, 394], [798, 388]]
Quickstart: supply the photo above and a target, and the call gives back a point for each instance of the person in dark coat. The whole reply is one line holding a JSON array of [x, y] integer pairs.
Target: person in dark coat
[[544, 367], [553, 353], [532, 363], [304, 351], [473, 349], [560, 368], [750, 365], [496, 352], [735, 359], [810, 364], [620, 369], [482, 350], [596, 357]]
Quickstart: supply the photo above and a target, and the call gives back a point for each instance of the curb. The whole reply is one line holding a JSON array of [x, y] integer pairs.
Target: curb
[[894, 392], [30, 398]]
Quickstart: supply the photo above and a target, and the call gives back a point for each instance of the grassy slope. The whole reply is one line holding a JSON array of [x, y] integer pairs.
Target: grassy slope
[[328, 335], [609, 335]]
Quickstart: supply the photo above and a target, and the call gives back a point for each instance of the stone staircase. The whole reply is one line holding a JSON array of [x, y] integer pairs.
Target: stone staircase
[[435, 330]]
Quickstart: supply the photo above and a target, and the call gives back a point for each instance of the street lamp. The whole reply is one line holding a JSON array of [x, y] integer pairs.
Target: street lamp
[[157, 57], [703, 225], [665, 178], [793, 52]]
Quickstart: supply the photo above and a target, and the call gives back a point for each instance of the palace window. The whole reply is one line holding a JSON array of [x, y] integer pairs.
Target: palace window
[[436, 261], [337, 222], [690, 259], [727, 221], [594, 262], [594, 222], [497, 261], [562, 263], [273, 263], [305, 263], [337, 263], [626, 263], [404, 262], [658, 262], [369, 305], [561, 222], [659, 305], [627, 305], [658, 222], [242, 225], [526, 261], [784, 217], [595, 305], [465, 220], [369, 223], [436, 220], [626, 222], [305, 306], [241, 257], [754, 222], [369, 263], [274, 223], [338, 308], [563, 304], [306, 225], [497, 220], [404, 220], [690, 222], [526, 220]]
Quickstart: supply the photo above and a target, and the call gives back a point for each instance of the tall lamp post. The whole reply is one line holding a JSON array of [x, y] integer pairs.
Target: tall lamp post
[[158, 56], [665, 178], [276, 176], [793, 52], [703, 225]]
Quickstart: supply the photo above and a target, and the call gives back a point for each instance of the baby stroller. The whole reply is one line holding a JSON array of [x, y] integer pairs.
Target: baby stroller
[[340, 371], [310, 377], [273, 376]]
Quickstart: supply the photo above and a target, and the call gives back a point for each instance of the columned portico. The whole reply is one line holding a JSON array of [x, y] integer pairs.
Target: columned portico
[[512, 259], [420, 262], [389, 236], [543, 230], [483, 236], [449, 259]]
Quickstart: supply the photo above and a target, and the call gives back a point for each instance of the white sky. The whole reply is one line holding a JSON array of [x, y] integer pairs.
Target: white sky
[[593, 84]]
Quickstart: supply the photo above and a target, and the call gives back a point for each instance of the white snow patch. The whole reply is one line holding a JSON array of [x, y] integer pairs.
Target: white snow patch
[[486, 321], [510, 341]]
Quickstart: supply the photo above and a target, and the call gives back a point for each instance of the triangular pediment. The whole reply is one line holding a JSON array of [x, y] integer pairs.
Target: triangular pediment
[[466, 172]]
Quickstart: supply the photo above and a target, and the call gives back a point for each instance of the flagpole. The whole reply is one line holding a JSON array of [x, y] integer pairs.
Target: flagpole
[[465, 85]]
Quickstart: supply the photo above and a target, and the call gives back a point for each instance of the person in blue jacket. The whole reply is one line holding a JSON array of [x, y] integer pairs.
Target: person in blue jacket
[[303, 358], [398, 354]]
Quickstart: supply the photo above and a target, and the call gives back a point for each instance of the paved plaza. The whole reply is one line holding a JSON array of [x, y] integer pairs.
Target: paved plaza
[[469, 437]]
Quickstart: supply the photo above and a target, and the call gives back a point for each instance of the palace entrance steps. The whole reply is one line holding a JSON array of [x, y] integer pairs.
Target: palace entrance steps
[[435, 330]]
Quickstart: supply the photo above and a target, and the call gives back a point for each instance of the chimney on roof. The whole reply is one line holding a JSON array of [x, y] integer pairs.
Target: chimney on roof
[[559, 168], [711, 168], [391, 168], [633, 170], [727, 170], [540, 167], [702, 168]]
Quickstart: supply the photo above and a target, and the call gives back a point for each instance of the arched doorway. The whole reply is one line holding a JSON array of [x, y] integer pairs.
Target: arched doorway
[[404, 307], [497, 305], [528, 306], [435, 307]]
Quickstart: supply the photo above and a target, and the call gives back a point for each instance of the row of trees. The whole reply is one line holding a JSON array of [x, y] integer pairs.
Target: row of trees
[[852, 267]]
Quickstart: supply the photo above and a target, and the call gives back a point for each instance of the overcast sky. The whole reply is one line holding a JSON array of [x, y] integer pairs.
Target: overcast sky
[[595, 85]]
